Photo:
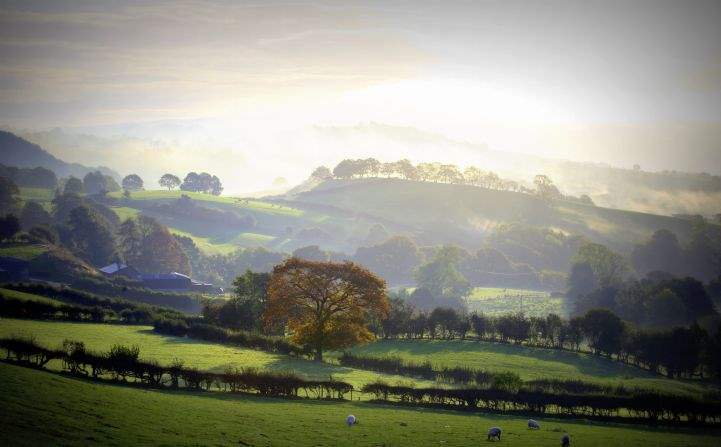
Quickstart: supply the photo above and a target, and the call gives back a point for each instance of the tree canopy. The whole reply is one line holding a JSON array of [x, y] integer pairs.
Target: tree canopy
[[325, 305]]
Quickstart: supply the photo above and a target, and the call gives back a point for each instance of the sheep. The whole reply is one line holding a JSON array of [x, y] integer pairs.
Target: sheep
[[351, 420], [534, 425], [494, 432], [565, 440]]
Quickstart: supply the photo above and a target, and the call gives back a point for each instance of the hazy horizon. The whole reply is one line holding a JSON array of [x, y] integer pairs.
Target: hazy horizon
[[250, 90]]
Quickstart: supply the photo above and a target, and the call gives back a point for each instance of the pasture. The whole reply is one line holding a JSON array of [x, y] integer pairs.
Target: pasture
[[530, 363], [498, 301], [203, 355], [42, 408]]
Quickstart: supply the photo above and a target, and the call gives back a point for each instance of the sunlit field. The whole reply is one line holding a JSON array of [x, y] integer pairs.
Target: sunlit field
[[530, 363], [203, 355], [498, 301], [42, 408]]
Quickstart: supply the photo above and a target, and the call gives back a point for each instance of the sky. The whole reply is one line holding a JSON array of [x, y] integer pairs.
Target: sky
[[256, 84]]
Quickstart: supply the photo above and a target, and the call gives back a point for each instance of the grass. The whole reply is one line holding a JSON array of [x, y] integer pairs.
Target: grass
[[496, 301], [250, 204], [41, 408], [41, 195], [22, 251], [125, 212], [530, 363], [204, 355], [22, 296]]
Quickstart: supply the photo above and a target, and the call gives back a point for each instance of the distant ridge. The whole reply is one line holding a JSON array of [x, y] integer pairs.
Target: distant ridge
[[16, 151]]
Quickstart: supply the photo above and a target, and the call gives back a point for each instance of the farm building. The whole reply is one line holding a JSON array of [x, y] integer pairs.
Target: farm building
[[120, 269]]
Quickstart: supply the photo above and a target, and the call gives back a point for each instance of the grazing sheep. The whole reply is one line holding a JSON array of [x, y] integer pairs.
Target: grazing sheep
[[566, 440], [533, 424], [494, 432], [350, 420]]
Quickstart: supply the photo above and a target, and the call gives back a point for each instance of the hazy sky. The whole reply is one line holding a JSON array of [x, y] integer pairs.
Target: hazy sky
[[617, 82]]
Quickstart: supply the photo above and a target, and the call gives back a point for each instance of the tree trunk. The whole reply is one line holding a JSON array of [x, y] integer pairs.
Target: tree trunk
[[318, 357]]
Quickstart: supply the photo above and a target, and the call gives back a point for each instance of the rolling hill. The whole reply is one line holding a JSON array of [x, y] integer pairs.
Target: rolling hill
[[16, 151], [438, 213]]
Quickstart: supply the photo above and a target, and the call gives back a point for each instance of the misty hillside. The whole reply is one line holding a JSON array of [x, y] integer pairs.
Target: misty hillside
[[461, 214], [16, 151]]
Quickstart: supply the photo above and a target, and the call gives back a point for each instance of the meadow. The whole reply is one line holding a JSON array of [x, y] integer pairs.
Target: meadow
[[203, 355], [43, 408], [499, 301], [529, 362]]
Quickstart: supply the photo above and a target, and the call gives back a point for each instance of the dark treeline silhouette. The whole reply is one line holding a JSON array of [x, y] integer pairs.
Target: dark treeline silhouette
[[676, 352], [650, 407], [442, 173], [90, 292], [78, 305], [195, 328], [122, 363]]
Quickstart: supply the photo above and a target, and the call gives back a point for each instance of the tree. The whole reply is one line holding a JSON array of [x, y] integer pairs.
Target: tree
[[604, 331], [325, 305], [442, 277], [33, 214], [545, 187], [215, 186], [8, 192], [311, 253], [191, 182], [73, 186], [169, 181], [609, 268], [393, 259], [321, 173], [345, 169], [132, 182], [406, 169], [96, 183], [90, 237], [9, 226], [148, 245], [661, 253], [581, 280]]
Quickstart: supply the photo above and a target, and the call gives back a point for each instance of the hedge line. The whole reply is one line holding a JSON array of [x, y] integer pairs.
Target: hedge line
[[122, 363], [130, 311], [650, 406], [195, 328]]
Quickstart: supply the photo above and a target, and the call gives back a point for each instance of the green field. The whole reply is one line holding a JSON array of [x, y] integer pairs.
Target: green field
[[497, 301], [41, 195], [530, 363], [22, 251], [42, 408], [22, 296], [206, 356]]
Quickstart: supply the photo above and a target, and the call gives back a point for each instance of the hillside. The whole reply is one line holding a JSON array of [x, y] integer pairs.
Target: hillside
[[461, 214], [16, 151]]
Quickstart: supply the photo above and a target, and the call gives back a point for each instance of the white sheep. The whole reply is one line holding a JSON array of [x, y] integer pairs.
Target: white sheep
[[350, 420], [533, 424], [565, 440], [494, 432]]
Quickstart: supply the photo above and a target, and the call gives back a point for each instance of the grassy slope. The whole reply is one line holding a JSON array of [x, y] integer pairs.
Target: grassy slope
[[445, 212], [270, 232], [22, 251], [529, 363], [41, 408], [496, 301], [22, 296], [206, 356]]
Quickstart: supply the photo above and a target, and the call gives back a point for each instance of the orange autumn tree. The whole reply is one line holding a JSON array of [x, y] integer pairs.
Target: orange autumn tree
[[325, 305]]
